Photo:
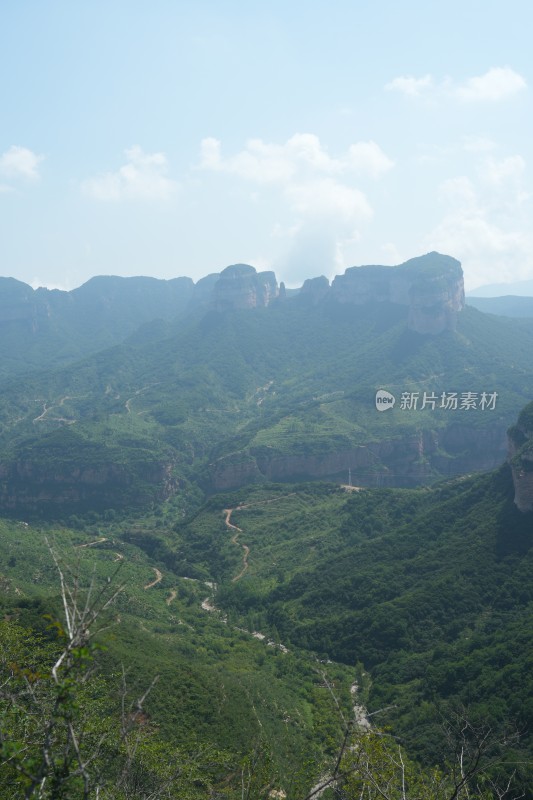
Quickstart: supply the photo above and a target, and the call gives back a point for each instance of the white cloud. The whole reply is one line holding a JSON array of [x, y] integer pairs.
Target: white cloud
[[312, 251], [301, 155], [260, 162], [327, 199], [489, 252], [391, 254], [486, 223], [368, 157], [497, 173], [478, 144], [320, 208], [496, 84], [409, 85], [329, 216], [20, 162], [142, 177], [459, 192]]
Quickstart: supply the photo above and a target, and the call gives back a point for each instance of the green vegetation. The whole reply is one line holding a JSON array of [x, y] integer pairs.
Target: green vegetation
[[421, 597], [222, 695], [429, 589], [274, 613], [223, 390]]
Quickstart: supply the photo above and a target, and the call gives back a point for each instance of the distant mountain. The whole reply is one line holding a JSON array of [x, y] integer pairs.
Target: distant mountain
[[45, 328], [510, 306], [40, 328], [519, 288], [273, 389]]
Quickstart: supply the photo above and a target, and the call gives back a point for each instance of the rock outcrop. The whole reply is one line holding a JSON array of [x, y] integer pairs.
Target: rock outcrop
[[62, 472], [26, 486], [430, 286], [241, 286], [405, 461], [521, 459], [315, 289]]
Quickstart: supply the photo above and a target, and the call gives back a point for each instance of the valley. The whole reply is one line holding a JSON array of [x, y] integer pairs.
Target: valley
[[272, 553]]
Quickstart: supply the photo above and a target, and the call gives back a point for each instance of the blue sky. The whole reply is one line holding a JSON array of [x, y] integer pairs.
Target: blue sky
[[175, 138]]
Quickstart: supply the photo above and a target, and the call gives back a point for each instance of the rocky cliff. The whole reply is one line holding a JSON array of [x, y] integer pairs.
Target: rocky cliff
[[27, 488], [241, 286], [404, 461], [521, 459], [107, 309], [61, 472], [430, 286]]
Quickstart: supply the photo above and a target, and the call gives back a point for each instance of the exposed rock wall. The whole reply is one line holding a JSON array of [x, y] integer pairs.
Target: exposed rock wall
[[401, 462], [240, 286], [28, 485], [431, 287]]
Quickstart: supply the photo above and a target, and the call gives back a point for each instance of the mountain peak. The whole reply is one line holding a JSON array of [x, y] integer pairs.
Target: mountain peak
[[431, 286], [241, 286]]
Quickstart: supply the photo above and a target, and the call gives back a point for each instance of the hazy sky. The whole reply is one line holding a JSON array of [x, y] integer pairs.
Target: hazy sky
[[173, 138]]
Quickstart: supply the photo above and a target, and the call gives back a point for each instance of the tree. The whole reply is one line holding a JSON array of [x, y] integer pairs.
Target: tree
[[59, 740], [372, 765]]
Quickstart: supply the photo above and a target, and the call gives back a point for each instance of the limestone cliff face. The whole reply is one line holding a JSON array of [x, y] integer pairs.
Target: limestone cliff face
[[521, 459], [406, 461], [430, 286], [240, 286]]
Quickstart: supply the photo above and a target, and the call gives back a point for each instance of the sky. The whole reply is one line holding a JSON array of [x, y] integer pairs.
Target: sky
[[175, 138]]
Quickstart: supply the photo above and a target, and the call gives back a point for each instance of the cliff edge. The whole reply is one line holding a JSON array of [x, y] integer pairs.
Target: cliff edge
[[240, 286], [431, 286]]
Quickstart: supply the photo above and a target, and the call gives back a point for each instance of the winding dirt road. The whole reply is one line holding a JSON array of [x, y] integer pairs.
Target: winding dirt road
[[96, 541], [158, 577], [235, 540]]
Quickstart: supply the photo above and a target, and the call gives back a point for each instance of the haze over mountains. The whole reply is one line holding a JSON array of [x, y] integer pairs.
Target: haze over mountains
[[133, 388], [515, 288], [506, 306], [505, 299]]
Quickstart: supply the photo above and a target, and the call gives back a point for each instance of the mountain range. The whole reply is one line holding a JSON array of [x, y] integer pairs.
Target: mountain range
[[236, 383], [516, 288], [319, 507]]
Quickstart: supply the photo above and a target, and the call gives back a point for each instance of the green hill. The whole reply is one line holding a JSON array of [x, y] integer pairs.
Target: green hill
[[279, 393], [42, 328], [431, 590], [422, 597]]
